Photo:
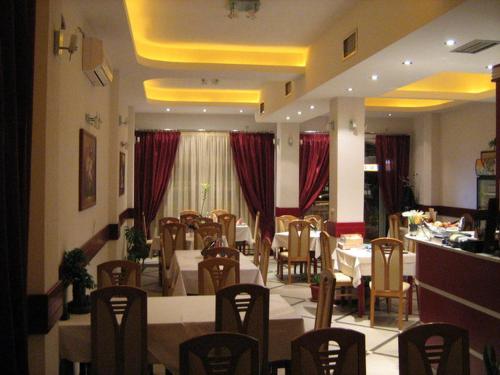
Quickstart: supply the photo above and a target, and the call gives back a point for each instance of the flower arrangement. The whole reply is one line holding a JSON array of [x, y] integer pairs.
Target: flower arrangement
[[205, 187], [414, 216]]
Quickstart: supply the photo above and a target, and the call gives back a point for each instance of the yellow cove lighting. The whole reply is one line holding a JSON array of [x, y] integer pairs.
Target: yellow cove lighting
[[140, 19], [166, 94], [452, 82], [403, 103]]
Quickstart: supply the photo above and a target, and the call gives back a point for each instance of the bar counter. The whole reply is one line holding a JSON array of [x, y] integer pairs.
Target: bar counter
[[461, 288]]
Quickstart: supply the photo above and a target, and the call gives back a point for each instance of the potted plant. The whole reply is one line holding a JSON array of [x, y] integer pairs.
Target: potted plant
[[74, 271], [315, 279], [137, 247]]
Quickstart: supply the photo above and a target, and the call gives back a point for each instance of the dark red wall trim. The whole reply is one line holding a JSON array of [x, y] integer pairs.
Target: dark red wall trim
[[295, 211], [496, 79], [127, 214], [338, 229]]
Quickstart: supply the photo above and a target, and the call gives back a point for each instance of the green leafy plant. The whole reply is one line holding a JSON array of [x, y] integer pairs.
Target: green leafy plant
[[137, 247], [315, 279], [490, 361], [493, 143], [73, 269]]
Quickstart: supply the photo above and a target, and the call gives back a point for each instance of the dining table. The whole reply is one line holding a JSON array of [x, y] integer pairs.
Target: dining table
[[357, 264], [280, 239], [184, 272], [173, 320]]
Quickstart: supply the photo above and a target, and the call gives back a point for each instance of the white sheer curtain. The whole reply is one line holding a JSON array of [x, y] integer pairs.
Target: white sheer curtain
[[203, 158]]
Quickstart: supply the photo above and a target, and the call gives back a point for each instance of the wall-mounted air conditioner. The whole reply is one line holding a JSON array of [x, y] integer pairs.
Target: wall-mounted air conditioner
[[94, 63]]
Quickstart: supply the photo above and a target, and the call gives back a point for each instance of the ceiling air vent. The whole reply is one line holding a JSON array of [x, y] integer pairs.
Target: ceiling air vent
[[288, 88], [351, 44], [475, 46]]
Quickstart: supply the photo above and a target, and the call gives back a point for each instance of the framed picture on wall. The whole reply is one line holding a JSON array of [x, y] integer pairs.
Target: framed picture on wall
[[87, 173], [121, 175]]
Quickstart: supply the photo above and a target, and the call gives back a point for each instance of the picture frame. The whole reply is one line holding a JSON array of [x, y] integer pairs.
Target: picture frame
[[88, 171], [485, 167], [121, 174], [490, 154]]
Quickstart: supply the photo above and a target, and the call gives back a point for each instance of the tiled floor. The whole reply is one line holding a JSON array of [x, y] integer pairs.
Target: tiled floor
[[381, 341]]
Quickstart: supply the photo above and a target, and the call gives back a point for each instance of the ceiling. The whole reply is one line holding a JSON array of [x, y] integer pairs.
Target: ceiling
[[197, 26]]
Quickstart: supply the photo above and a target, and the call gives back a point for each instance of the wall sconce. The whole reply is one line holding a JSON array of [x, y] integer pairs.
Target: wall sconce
[[124, 145], [122, 121], [276, 141], [94, 121], [59, 41]]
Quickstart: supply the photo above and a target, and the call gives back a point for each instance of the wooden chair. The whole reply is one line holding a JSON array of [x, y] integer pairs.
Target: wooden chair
[[315, 220], [167, 220], [119, 331], [343, 282], [434, 348], [256, 232], [228, 222], [173, 237], [394, 224], [118, 272], [298, 249], [219, 353], [149, 241], [204, 220], [216, 212], [283, 221], [212, 230], [265, 253], [326, 297], [329, 351], [189, 212], [188, 218], [217, 273], [244, 308], [257, 246], [387, 275], [225, 252]]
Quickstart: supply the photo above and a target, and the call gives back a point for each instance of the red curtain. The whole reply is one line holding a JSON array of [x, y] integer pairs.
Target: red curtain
[[154, 159], [393, 160], [314, 161], [253, 155]]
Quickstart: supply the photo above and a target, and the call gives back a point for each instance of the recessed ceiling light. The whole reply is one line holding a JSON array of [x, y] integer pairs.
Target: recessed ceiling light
[[287, 118], [374, 77], [201, 130], [450, 42], [489, 66], [204, 109], [311, 106], [167, 109], [167, 129], [241, 111], [310, 131], [349, 89], [235, 130], [407, 62], [299, 112], [390, 114]]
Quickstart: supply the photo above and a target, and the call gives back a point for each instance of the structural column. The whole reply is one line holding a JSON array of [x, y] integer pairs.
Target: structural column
[[496, 79], [347, 152], [287, 169]]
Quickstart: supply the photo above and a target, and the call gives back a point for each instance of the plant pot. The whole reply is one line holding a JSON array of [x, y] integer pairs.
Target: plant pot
[[413, 229], [81, 302], [314, 292]]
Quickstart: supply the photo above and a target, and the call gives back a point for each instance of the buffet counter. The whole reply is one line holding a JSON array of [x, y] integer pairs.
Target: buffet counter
[[461, 288]]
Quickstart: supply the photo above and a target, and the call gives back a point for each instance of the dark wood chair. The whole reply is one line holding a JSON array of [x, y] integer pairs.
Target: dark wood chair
[[167, 220], [329, 351], [217, 273], [119, 331], [228, 222], [265, 253], [220, 353], [434, 348], [326, 298], [212, 230], [226, 252], [188, 218], [118, 272], [244, 308], [298, 249]]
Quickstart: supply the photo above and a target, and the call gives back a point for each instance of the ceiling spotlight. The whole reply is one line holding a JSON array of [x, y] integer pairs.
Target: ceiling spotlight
[[299, 112], [450, 42], [390, 114], [407, 62], [287, 118], [167, 129], [201, 130], [312, 106], [204, 109], [374, 77], [241, 111], [167, 109], [349, 89], [235, 130], [489, 66]]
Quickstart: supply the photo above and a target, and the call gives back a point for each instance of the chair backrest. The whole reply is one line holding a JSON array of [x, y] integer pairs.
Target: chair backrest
[[173, 237], [217, 273], [264, 259], [394, 224], [118, 272], [315, 220], [326, 253], [228, 222], [188, 218], [244, 308], [434, 348], [257, 224], [119, 330], [329, 351], [225, 252], [204, 220], [144, 226], [216, 212], [212, 230], [219, 353], [167, 220], [326, 298], [257, 246], [298, 240], [283, 221], [189, 212], [387, 265]]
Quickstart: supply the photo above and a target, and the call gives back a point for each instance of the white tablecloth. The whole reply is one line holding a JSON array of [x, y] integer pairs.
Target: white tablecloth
[[173, 320], [357, 262], [184, 272], [281, 240]]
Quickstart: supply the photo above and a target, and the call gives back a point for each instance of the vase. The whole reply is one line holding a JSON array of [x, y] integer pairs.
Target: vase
[[413, 229], [81, 302]]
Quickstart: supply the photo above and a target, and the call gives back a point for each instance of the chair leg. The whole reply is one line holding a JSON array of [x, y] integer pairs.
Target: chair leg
[[372, 309], [400, 312], [308, 266], [388, 303], [289, 273]]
